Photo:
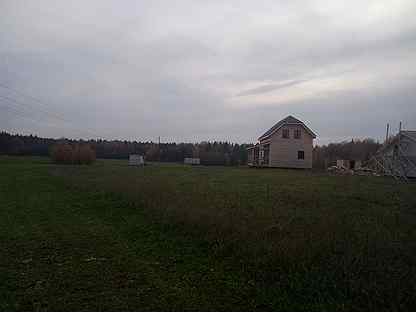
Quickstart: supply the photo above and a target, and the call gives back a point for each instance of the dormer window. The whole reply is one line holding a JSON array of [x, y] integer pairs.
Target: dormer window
[[285, 133], [297, 134]]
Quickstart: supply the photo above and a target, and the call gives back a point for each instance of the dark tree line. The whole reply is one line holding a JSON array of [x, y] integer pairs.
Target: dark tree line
[[210, 153]]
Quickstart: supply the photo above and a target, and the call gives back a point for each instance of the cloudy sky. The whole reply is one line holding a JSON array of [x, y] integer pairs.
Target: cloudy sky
[[206, 70]]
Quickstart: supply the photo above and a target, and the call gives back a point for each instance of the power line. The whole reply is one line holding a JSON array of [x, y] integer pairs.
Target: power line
[[18, 114], [12, 102], [24, 115], [26, 105], [51, 114], [23, 94], [36, 100]]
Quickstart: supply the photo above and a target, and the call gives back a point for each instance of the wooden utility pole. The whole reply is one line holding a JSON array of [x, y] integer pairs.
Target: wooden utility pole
[[387, 133], [159, 148], [400, 130]]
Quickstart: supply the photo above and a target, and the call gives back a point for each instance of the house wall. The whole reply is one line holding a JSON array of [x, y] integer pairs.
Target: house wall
[[284, 152]]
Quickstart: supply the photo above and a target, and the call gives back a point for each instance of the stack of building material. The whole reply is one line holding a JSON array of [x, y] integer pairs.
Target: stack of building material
[[191, 161], [136, 160]]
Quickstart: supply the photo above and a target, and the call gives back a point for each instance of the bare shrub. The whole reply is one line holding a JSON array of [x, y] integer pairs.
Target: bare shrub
[[79, 154]]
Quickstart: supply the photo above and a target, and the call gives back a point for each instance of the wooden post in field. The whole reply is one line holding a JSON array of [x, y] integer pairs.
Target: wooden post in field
[[400, 130], [159, 148]]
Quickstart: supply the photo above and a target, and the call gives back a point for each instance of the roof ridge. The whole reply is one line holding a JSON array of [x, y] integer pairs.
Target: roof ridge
[[286, 120]]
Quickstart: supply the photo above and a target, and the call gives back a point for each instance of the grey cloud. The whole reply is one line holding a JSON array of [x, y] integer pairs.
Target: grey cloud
[[270, 87], [144, 69]]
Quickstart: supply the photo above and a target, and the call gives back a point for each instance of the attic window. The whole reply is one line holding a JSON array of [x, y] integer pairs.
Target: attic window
[[297, 134], [285, 134]]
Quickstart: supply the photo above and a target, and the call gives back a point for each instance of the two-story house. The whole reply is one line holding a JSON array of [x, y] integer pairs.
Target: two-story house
[[288, 144]]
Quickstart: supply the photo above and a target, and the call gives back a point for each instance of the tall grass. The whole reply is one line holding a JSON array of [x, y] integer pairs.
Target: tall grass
[[346, 237]]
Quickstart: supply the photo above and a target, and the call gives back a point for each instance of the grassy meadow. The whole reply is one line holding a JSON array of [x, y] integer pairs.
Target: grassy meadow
[[109, 237]]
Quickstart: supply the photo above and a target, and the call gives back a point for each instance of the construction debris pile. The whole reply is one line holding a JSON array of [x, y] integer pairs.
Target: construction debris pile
[[397, 157], [342, 170]]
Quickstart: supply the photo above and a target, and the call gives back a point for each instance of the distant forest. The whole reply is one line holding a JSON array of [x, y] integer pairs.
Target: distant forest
[[210, 153], [326, 155]]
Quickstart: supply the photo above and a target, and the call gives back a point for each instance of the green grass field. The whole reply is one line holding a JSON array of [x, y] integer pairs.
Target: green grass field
[[109, 237]]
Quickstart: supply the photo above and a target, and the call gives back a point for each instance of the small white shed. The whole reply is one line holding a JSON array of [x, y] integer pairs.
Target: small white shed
[[136, 160], [191, 161]]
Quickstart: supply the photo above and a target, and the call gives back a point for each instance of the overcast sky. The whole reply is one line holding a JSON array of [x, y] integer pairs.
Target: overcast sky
[[206, 70]]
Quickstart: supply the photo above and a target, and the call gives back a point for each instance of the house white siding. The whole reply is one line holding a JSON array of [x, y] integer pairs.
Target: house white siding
[[284, 151], [288, 144]]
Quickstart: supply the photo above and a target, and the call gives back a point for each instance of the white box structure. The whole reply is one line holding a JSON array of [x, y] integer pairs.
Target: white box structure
[[191, 161], [136, 160]]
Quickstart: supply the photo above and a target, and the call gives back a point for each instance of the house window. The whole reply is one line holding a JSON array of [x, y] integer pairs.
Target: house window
[[285, 134], [301, 155], [297, 133]]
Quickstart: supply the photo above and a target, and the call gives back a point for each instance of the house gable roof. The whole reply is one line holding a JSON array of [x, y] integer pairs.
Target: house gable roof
[[289, 120]]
